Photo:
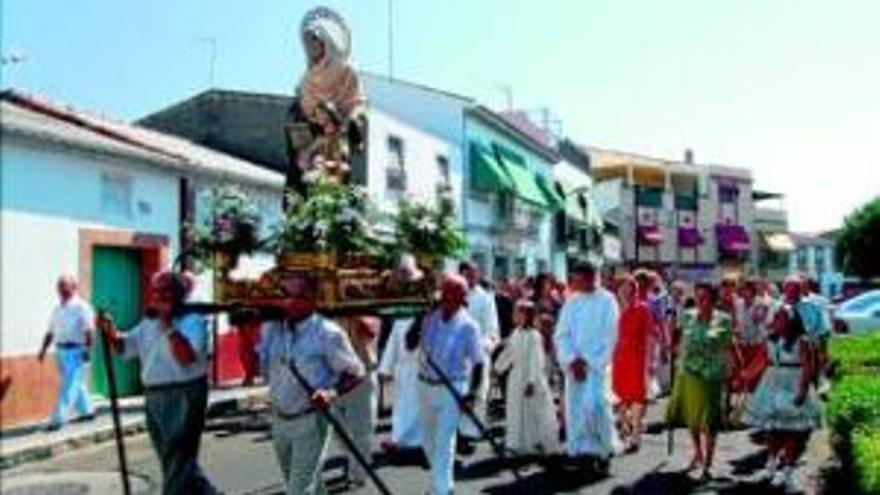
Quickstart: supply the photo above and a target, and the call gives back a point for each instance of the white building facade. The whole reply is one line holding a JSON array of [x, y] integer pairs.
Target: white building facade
[[97, 199]]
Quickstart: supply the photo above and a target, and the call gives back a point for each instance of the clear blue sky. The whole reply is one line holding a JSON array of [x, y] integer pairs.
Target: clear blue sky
[[788, 88]]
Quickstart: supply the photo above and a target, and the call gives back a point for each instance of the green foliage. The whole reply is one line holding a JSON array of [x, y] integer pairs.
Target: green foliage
[[866, 459], [859, 242], [854, 405], [424, 228], [332, 218], [854, 355], [854, 402], [232, 225]]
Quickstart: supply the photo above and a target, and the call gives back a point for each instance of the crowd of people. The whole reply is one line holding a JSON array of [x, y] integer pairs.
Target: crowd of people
[[575, 365]]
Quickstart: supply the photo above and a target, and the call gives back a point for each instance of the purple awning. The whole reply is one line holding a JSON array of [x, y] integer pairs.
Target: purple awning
[[650, 235], [689, 237], [733, 238]]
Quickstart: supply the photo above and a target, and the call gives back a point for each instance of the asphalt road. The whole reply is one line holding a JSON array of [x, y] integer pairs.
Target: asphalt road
[[237, 455]]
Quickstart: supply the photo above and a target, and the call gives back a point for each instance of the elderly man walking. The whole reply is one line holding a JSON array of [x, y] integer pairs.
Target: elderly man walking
[[586, 334], [323, 355], [482, 309], [173, 351], [450, 342], [70, 328]]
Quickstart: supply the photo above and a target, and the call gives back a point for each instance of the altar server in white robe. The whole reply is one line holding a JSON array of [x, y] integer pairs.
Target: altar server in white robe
[[586, 333], [400, 365], [532, 427], [481, 307]]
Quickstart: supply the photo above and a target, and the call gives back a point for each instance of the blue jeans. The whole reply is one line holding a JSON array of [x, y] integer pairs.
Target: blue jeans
[[72, 391]]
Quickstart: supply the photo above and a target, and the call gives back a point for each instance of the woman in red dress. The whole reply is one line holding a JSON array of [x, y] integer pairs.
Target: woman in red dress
[[628, 372]]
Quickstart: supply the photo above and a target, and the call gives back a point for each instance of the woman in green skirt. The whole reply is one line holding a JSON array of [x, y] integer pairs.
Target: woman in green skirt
[[696, 401]]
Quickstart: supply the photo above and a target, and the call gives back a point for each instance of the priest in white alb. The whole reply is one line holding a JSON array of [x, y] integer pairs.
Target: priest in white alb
[[586, 333]]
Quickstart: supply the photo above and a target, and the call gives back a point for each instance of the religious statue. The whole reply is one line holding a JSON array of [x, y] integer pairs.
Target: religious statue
[[326, 124]]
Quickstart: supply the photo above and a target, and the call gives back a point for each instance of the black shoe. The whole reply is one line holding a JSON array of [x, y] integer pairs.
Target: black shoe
[[465, 447], [85, 418], [601, 466]]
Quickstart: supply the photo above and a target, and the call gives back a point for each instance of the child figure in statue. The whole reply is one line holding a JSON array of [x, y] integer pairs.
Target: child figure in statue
[[327, 155]]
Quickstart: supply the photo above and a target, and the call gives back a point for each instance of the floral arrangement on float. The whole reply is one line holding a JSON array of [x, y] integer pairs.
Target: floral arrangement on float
[[332, 225], [330, 232], [430, 232], [231, 230]]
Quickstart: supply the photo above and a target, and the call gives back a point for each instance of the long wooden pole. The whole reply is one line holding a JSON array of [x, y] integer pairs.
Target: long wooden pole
[[467, 411], [114, 408], [341, 431]]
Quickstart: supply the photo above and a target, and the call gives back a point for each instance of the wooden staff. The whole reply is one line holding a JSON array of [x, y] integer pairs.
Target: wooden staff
[[467, 411], [340, 430], [114, 406]]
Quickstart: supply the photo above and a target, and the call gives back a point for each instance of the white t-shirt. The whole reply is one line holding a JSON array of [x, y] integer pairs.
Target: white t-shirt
[[151, 344], [71, 321]]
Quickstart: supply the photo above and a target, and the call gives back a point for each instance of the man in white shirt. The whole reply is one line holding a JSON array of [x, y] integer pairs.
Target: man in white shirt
[[450, 341], [481, 308], [173, 352], [323, 354], [586, 333], [70, 327]]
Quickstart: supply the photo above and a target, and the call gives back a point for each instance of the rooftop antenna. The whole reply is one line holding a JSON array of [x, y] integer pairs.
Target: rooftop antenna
[[212, 41], [508, 95], [548, 121], [14, 58]]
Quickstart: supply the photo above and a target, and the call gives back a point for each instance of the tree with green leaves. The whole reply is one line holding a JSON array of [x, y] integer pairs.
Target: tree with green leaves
[[858, 243]]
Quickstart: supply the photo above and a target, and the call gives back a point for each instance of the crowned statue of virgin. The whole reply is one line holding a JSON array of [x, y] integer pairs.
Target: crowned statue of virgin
[[326, 124]]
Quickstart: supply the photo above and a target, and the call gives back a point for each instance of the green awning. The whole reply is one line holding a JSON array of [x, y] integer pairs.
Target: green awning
[[554, 196], [487, 174], [526, 184]]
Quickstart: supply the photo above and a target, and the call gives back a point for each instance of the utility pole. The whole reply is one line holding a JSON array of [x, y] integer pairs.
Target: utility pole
[[390, 39]]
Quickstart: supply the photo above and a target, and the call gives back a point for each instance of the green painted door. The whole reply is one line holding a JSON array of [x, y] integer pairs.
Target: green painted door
[[116, 287]]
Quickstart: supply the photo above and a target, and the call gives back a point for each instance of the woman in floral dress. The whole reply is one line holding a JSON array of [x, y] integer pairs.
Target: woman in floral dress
[[784, 406], [696, 401]]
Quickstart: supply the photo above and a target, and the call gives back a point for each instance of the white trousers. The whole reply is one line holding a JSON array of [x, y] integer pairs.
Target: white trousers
[[300, 445], [440, 418]]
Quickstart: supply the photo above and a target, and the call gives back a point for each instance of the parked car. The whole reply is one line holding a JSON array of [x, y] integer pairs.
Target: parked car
[[859, 314]]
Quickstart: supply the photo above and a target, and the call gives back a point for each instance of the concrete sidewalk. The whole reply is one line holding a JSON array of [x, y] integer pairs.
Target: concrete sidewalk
[[32, 442]]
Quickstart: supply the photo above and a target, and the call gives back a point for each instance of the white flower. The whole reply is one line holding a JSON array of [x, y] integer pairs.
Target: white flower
[[312, 176], [321, 226], [427, 224], [347, 215]]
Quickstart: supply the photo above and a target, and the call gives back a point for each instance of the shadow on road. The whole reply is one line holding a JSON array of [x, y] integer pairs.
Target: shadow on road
[[550, 478], [750, 464]]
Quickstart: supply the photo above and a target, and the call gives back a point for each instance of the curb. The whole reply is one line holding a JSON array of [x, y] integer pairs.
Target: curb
[[247, 399]]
